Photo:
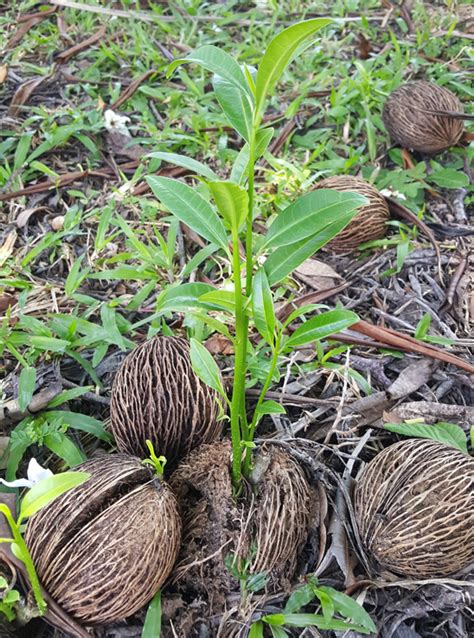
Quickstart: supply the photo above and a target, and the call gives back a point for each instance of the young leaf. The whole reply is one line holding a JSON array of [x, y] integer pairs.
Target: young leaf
[[285, 259], [310, 214], [422, 326], [232, 202], [47, 490], [256, 630], [189, 207], [448, 433], [281, 50], [216, 61], [239, 169], [235, 105], [26, 387], [270, 407], [82, 422], [317, 620], [301, 597], [350, 608], [322, 326], [63, 447], [186, 162], [205, 367], [263, 310], [152, 625]]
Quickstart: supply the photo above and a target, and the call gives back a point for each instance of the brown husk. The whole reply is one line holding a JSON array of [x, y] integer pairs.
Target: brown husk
[[407, 117], [414, 509], [157, 396], [268, 525], [370, 221], [103, 549]]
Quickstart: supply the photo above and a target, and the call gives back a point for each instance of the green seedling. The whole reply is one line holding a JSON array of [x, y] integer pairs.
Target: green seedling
[[223, 211], [156, 462]]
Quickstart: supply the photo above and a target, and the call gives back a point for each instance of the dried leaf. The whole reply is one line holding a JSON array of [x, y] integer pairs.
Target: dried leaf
[[131, 88], [25, 215], [6, 301], [23, 93], [3, 73], [77, 48], [218, 344], [7, 248], [318, 275], [28, 21]]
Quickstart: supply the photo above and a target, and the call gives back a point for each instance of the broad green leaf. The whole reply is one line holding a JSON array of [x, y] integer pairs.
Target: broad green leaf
[[205, 367], [262, 306], [47, 490], [281, 50], [322, 326], [49, 343], [448, 178], [232, 202], [81, 422], [350, 608], [278, 632], [186, 162], [317, 620], [69, 395], [274, 619], [223, 299], [301, 597], [285, 259], [184, 297], [448, 433], [256, 630], [216, 61], [189, 207], [62, 446], [235, 105], [239, 169], [311, 214], [26, 387], [270, 407], [152, 625]]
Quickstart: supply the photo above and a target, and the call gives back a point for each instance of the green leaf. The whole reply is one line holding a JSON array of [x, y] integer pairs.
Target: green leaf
[[221, 299], [232, 202], [216, 61], [62, 445], [235, 105], [285, 259], [69, 395], [448, 178], [47, 490], [49, 343], [256, 630], [274, 619], [189, 207], [184, 297], [322, 326], [152, 625], [270, 407], [278, 632], [301, 597], [281, 50], [186, 162], [21, 151], [448, 433], [239, 169], [350, 608], [311, 214], [26, 387], [81, 422], [205, 367], [317, 620], [423, 326], [262, 306]]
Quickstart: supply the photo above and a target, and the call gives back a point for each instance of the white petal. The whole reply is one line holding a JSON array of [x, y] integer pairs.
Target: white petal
[[17, 483], [37, 473]]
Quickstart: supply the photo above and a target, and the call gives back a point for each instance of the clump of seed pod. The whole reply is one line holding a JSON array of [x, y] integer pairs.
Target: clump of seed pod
[[156, 395], [414, 509], [370, 221], [103, 549], [423, 116]]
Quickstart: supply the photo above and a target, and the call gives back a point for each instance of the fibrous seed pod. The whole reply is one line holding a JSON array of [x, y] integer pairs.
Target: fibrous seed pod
[[370, 221], [103, 549], [156, 395], [410, 116], [414, 505]]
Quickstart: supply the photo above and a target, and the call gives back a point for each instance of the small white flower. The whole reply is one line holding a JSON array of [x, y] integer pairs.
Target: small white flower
[[388, 192], [35, 474], [116, 122]]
